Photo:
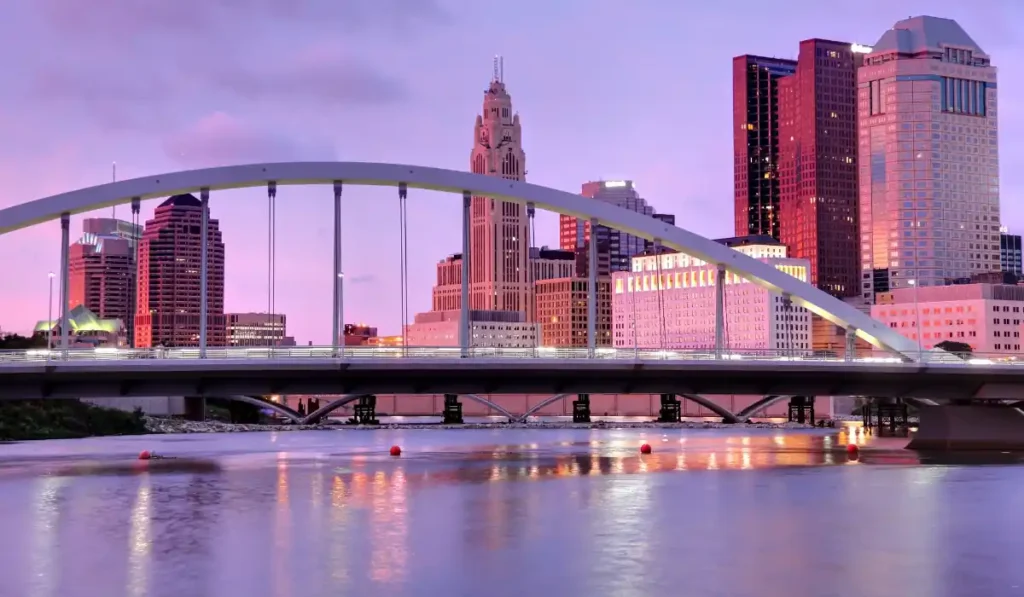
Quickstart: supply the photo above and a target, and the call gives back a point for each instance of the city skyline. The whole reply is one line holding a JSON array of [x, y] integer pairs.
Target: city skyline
[[566, 147]]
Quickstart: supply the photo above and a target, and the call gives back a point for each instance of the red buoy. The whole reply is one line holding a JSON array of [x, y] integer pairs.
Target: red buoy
[[145, 455], [396, 451], [645, 449], [852, 449]]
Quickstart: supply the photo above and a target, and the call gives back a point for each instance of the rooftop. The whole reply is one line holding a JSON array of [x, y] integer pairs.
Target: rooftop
[[925, 34], [187, 200]]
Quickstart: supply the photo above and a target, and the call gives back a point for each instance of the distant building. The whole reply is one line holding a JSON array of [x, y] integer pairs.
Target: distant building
[[386, 341], [168, 309], [1010, 255], [755, 119], [929, 159], [86, 329], [614, 248], [986, 316], [256, 329], [563, 316], [102, 269], [359, 334], [668, 301], [488, 329], [818, 164]]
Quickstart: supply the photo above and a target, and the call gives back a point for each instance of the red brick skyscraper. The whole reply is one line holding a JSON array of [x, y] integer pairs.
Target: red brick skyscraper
[[169, 280], [818, 164]]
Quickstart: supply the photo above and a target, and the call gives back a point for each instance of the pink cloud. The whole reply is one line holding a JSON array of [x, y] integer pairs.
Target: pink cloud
[[221, 139]]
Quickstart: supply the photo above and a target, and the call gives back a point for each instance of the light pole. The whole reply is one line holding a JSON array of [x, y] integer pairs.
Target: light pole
[[49, 315]]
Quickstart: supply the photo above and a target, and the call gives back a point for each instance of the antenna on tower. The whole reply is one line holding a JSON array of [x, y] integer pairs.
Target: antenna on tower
[[113, 178], [501, 68], [496, 73]]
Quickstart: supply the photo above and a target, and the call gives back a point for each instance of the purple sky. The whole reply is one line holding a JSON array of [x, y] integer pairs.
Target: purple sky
[[605, 89]]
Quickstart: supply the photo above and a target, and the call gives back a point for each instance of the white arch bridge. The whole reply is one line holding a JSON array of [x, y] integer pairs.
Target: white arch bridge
[[339, 174]]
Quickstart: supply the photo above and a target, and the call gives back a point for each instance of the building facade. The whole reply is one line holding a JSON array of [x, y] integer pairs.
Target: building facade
[[818, 164], [988, 317], [563, 316], [358, 334], [755, 109], [102, 269], [488, 329], [256, 329], [614, 248], [1011, 258], [667, 301], [168, 306], [499, 231], [929, 163]]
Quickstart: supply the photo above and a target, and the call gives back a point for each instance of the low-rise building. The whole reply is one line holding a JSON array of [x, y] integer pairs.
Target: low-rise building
[[988, 317], [668, 301], [85, 329], [488, 329], [256, 329], [563, 315]]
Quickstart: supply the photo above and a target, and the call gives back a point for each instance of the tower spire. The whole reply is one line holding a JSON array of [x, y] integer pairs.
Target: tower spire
[[499, 69]]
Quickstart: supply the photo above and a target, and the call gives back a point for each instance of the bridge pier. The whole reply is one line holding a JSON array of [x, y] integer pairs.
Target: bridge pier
[[195, 408], [975, 426], [801, 409], [671, 409], [452, 412], [581, 409]]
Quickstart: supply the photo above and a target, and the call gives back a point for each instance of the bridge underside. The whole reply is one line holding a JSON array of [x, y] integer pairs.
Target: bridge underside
[[226, 378]]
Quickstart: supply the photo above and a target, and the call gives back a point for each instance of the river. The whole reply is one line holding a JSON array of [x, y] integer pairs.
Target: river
[[495, 513]]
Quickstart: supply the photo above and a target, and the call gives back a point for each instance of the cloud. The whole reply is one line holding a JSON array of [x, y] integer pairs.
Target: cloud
[[220, 139], [321, 73], [114, 19]]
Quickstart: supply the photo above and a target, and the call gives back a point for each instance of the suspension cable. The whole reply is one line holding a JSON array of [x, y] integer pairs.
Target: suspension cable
[[271, 253], [661, 302], [403, 260]]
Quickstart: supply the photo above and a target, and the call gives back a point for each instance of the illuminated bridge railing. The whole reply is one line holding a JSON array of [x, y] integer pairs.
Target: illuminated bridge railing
[[451, 353]]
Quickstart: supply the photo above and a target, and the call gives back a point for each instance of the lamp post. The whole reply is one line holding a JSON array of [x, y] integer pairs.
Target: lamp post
[[49, 315]]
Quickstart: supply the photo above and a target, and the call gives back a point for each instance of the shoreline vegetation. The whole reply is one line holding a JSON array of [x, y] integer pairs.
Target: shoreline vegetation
[[22, 420]]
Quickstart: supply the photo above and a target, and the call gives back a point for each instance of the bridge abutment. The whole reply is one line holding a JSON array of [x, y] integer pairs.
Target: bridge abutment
[[969, 427]]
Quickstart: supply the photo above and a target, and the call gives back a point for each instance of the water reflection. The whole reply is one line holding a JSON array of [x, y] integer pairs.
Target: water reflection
[[563, 513]]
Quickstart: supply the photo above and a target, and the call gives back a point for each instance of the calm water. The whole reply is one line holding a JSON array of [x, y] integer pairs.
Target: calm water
[[495, 513]]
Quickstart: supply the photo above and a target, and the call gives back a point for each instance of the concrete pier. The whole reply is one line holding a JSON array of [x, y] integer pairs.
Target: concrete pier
[[969, 427]]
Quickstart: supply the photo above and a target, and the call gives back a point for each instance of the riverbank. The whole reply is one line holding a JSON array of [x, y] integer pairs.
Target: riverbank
[[161, 425], [64, 419]]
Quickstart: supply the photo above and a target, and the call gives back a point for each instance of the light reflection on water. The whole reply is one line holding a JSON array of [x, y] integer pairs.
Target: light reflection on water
[[513, 512]]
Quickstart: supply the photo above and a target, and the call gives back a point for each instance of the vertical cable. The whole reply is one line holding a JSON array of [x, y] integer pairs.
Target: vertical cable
[[661, 302], [632, 295], [532, 276], [403, 259], [271, 259]]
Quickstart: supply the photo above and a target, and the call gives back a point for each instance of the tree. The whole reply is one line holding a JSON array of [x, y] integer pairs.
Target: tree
[[17, 342]]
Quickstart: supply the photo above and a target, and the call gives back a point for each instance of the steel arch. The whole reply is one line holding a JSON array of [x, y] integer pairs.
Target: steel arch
[[726, 415], [379, 174], [284, 411]]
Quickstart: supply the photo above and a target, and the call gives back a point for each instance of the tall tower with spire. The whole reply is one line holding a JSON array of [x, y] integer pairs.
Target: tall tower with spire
[[499, 242]]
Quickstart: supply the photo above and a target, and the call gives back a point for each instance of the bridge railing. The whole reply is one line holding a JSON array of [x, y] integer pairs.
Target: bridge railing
[[445, 353]]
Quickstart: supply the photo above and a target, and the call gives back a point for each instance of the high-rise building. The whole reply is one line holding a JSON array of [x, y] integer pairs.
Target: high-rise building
[[102, 269], [168, 306], [755, 116], [667, 301], [614, 248], [929, 163], [1010, 253], [563, 316], [818, 164], [499, 241], [256, 329]]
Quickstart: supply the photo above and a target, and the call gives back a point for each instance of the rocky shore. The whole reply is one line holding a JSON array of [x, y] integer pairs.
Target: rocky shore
[[162, 425]]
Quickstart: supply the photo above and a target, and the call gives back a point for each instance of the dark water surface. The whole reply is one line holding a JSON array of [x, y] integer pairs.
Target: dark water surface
[[516, 513]]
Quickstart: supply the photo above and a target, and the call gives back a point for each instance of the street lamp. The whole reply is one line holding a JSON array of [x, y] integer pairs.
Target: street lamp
[[49, 315]]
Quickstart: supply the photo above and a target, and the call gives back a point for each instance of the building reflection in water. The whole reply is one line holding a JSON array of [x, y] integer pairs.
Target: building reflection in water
[[282, 544], [389, 522], [140, 541], [338, 561], [45, 558]]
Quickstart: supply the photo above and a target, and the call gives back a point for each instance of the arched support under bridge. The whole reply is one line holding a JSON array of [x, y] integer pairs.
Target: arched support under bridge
[[285, 411], [337, 403], [727, 416], [744, 415]]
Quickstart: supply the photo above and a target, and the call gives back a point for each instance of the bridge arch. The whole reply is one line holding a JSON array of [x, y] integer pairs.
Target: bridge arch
[[744, 414], [719, 410], [436, 179], [285, 411], [337, 403]]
